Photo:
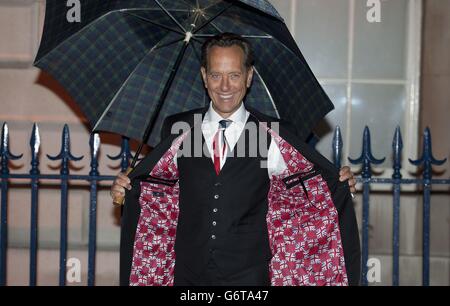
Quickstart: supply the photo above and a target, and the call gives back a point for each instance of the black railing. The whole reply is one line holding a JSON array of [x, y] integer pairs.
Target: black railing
[[93, 177]]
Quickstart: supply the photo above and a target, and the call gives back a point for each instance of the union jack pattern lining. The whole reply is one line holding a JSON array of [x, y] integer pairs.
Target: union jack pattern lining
[[303, 230], [302, 223]]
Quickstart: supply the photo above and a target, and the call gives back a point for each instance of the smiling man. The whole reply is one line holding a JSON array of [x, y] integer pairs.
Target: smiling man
[[222, 219], [228, 76]]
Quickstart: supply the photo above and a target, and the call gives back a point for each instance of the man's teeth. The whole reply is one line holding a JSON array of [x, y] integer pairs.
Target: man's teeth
[[225, 97]]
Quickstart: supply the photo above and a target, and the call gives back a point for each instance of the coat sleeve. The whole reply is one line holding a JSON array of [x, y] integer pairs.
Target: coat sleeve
[[349, 232], [130, 217]]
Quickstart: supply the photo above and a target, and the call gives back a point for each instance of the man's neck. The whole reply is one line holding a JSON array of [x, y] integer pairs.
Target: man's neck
[[239, 115], [226, 115]]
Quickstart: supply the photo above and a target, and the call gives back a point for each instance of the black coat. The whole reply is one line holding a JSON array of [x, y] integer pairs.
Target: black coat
[[339, 192]]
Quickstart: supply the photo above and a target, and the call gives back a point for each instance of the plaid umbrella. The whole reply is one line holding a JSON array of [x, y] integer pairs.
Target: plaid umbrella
[[131, 63]]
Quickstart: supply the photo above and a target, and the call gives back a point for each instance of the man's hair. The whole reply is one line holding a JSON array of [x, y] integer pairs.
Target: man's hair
[[228, 40]]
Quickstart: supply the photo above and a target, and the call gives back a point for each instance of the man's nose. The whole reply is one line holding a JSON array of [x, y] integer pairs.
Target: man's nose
[[225, 84]]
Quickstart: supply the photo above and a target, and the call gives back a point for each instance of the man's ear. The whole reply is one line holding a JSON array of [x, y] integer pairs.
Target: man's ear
[[249, 77], [203, 71]]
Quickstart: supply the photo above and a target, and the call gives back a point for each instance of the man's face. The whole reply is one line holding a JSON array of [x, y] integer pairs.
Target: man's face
[[227, 78]]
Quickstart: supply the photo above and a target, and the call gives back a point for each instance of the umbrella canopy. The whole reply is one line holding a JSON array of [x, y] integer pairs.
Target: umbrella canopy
[[130, 63]]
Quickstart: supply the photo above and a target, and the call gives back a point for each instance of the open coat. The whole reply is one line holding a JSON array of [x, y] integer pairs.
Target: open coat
[[311, 221]]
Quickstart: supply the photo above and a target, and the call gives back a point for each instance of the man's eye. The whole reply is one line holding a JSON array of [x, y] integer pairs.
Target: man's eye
[[235, 76], [214, 76]]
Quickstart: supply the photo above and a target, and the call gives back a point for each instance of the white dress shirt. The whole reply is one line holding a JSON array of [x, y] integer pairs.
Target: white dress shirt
[[210, 125]]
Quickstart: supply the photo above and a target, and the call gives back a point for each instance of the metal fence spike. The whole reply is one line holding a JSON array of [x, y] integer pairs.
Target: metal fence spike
[[94, 144], [5, 153], [65, 155], [427, 158], [366, 158], [35, 143], [397, 146], [124, 154]]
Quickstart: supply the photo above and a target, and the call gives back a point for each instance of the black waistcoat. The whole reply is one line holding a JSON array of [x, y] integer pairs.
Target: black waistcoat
[[223, 217]]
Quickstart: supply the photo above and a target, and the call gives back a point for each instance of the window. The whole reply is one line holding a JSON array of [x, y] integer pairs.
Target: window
[[370, 70]]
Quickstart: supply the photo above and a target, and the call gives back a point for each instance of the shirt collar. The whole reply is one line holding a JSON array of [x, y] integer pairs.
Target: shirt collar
[[239, 116]]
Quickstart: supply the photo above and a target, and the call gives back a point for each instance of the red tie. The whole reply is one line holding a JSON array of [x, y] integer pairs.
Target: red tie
[[223, 124]]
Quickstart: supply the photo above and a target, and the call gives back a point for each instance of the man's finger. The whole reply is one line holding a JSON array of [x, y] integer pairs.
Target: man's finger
[[345, 176], [344, 169], [122, 183], [115, 193], [123, 180], [122, 176], [117, 188]]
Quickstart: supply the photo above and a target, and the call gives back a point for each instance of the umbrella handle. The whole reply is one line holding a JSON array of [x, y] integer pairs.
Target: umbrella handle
[[118, 200]]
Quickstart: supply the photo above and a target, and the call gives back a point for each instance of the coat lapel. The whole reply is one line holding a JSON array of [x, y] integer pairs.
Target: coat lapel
[[302, 220]]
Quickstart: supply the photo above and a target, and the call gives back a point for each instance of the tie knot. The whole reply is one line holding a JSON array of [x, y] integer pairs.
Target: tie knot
[[223, 124]]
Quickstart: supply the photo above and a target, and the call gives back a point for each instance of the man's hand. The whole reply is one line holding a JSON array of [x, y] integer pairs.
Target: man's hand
[[120, 183], [346, 174]]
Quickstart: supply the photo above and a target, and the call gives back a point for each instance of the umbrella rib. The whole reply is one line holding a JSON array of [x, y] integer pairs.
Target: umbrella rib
[[83, 29], [275, 39], [245, 36], [153, 9], [212, 23], [155, 23], [195, 19], [212, 18], [167, 44], [220, 31], [216, 27], [186, 3], [267, 90], [211, 5], [123, 85], [170, 16], [196, 54], [197, 40], [256, 37], [103, 16], [251, 36]]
